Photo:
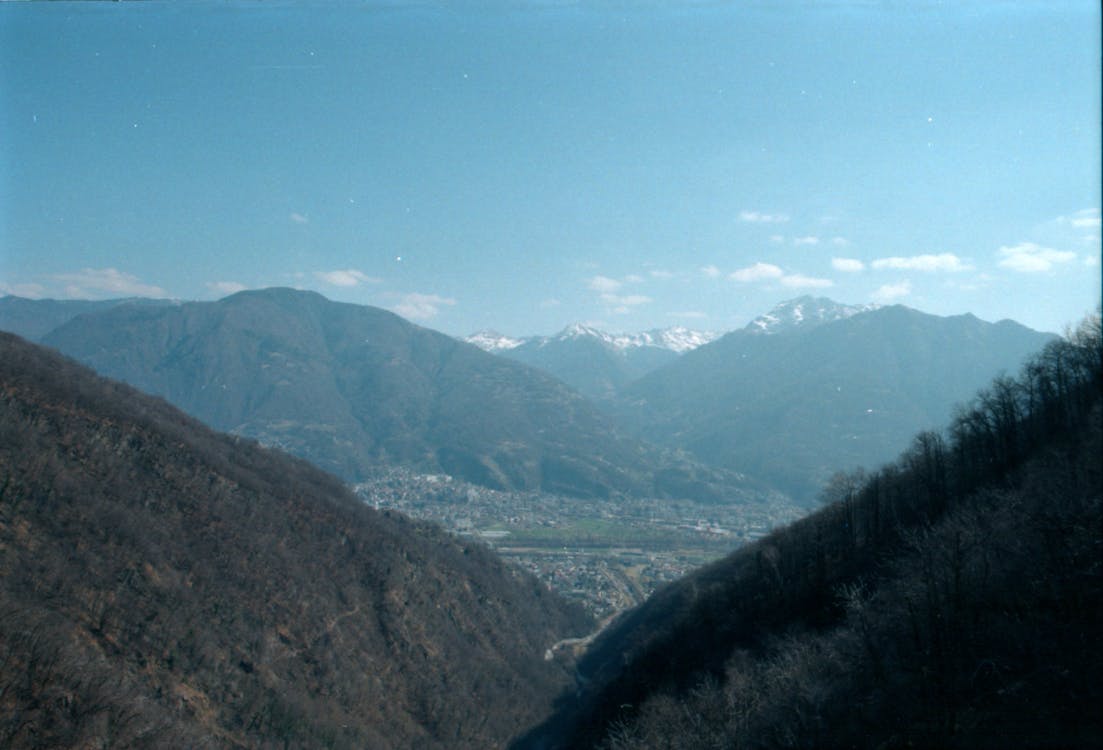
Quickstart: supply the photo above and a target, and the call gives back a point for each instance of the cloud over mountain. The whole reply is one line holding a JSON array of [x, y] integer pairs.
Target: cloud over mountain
[[95, 283]]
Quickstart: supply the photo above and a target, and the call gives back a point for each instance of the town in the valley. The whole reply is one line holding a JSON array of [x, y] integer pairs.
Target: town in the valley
[[608, 553]]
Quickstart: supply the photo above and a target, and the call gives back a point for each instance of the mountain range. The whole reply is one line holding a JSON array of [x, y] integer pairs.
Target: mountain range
[[354, 388], [807, 389], [823, 392], [167, 586], [596, 363]]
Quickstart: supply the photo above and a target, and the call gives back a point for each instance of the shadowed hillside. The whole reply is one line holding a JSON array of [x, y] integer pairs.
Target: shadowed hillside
[[795, 406], [352, 388], [950, 599], [163, 585]]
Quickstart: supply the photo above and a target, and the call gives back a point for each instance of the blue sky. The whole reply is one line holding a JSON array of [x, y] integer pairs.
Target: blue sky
[[521, 166]]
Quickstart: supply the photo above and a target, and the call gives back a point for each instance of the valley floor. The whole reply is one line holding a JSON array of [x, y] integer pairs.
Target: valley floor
[[610, 554]]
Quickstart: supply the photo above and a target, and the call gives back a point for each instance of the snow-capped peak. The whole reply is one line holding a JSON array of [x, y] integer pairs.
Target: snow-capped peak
[[677, 339], [804, 312], [492, 341], [580, 330], [681, 339]]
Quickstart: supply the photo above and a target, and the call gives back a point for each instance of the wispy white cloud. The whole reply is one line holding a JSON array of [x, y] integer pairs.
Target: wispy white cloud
[[848, 265], [298, 218], [623, 304], [941, 262], [627, 300], [689, 315], [1091, 261], [1028, 257], [973, 284], [757, 272], [711, 271], [661, 274], [549, 302], [100, 282], [225, 287], [608, 289], [1087, 218], [346, 277], [770, 272], [798, 281], [30, 291], [891, 292], [603, 284], [421, 306], [757, 217], [840, 241], [777, 239], [808, 240]]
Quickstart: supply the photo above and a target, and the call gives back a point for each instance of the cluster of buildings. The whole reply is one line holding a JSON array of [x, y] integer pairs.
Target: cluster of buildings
[[607, 553]]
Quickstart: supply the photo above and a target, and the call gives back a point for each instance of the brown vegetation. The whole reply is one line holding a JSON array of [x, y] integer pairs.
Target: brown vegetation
[[163, 585]]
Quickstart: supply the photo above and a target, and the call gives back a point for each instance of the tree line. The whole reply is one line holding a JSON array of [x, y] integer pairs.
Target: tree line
[[927, 603]]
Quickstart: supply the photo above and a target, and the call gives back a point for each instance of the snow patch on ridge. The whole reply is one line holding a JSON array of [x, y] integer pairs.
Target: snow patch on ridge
[[804, 312], [677, 338], [492, 341]]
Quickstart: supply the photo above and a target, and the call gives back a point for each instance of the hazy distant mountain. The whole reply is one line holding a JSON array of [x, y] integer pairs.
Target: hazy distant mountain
[[352, 387], [795, 408], [34, 318], [165, 586], [596, 363]]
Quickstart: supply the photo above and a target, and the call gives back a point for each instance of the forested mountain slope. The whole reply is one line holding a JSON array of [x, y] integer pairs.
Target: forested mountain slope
[[34, 318], [950, 599], [352, 388], [163, 585], [794, 407]]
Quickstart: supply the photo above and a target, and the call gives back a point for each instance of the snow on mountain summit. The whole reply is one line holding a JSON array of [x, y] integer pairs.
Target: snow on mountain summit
[[681, 339], [803, 312], [677, 338], [492, 341]]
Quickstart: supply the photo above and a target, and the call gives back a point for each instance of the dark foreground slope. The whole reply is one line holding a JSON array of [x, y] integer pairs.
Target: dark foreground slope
[[352, 388], [162, 585], [951, 599], [794, 407]]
